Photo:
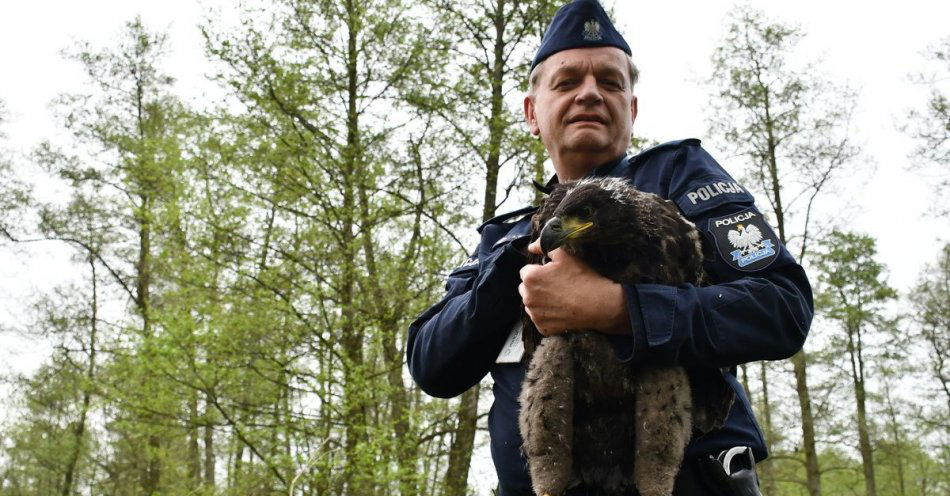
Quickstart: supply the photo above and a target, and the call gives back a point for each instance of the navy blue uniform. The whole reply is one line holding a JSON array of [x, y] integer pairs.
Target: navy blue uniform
[[758, 306]]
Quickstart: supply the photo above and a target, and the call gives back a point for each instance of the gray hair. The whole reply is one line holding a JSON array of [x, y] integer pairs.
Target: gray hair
[[535, 75]]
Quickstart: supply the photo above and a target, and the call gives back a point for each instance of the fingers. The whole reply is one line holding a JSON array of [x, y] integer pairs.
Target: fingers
[[528, 287], [536, 316], [542, 318], [526, 272], [535, 309], [535, 247], [556, 255], [542, 291], [533, 315]]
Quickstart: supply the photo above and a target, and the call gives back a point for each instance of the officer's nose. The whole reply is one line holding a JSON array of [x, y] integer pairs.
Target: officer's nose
[[589, 93]]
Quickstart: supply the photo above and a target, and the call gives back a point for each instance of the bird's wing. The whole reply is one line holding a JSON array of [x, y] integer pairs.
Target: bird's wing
[[754, 234]]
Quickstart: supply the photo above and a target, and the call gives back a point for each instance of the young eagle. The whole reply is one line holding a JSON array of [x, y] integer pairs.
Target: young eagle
[[586, 417]]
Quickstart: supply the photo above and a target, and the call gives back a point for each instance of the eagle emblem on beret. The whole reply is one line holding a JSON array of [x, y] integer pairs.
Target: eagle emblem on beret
[[592, 30]]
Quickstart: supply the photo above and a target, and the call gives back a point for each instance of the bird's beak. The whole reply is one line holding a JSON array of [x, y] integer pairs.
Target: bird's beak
[[556, 232]]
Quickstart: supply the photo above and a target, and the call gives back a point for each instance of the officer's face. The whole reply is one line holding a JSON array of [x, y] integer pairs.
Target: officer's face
[[583, 105]]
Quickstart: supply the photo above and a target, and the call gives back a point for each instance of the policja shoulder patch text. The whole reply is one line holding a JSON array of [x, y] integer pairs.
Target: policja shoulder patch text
[[744, 240]]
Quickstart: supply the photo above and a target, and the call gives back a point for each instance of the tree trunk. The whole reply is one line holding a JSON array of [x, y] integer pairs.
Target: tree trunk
[[799, 361], [867, 455], [357, 474], [153, 467], [496, 124], [194, 452], [143, 274], [898, 453], [744, 379], [386, 319], [460, 454], [80, 429], [768, 475], [209, 448], [864, 438], [238, 465], [78, 436], [812, 472], [539, 156]]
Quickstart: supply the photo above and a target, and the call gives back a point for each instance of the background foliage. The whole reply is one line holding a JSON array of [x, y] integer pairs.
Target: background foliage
[[247, 271]]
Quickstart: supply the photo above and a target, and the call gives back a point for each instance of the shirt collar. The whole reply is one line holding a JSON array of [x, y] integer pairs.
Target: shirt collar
[[601, 170]]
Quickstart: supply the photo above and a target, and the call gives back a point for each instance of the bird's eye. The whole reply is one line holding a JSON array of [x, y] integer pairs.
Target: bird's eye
[[586, 212]]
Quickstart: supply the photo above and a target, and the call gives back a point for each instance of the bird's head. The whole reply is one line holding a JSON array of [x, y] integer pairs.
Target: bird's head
[[588, 209]]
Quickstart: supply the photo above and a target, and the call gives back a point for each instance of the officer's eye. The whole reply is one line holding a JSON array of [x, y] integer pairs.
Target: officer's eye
[[564, 83]]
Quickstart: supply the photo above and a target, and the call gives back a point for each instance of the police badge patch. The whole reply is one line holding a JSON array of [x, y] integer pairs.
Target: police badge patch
[[744, 240]]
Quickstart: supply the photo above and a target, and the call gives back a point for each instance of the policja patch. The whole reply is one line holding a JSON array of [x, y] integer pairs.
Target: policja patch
[[744, 240]]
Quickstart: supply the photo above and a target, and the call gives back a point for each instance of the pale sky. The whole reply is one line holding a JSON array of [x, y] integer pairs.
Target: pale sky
[[874, 46]]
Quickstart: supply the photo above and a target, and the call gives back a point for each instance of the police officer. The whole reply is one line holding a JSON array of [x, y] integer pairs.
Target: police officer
[[759, 305]]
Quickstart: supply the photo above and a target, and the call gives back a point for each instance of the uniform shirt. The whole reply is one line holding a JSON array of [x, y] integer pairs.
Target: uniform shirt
[[757, 307]]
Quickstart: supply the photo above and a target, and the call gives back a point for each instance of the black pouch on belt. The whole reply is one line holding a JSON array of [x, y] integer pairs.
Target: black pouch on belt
[[732, 473]]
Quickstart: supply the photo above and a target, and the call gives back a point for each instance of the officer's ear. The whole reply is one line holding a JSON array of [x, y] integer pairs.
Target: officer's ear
[[633, 110], [529, 116]]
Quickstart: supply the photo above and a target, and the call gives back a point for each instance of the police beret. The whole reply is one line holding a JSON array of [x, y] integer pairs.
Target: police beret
[[579, 24]]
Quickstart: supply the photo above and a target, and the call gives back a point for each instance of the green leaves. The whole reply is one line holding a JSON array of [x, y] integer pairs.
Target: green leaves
[[930, 125], [852, 287], [255, 266], [788, 121]]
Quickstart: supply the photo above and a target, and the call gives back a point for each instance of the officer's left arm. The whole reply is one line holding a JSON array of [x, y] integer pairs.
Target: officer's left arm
[[760, 303], [763, 315]]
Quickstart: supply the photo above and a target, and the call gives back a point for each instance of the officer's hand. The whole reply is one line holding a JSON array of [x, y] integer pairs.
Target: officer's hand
[[567, 295]]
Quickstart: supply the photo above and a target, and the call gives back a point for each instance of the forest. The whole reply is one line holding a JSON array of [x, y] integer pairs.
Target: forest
[[246, 271]]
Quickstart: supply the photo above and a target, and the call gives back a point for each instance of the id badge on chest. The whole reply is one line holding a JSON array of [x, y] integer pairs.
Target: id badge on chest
[[513, 349]]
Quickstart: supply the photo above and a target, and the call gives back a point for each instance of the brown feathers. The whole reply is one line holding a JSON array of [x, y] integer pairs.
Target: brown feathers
[[585, 416]]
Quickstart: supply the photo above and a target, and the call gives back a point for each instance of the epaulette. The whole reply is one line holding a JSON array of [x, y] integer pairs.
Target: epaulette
[[663, 146], [498, 219]]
